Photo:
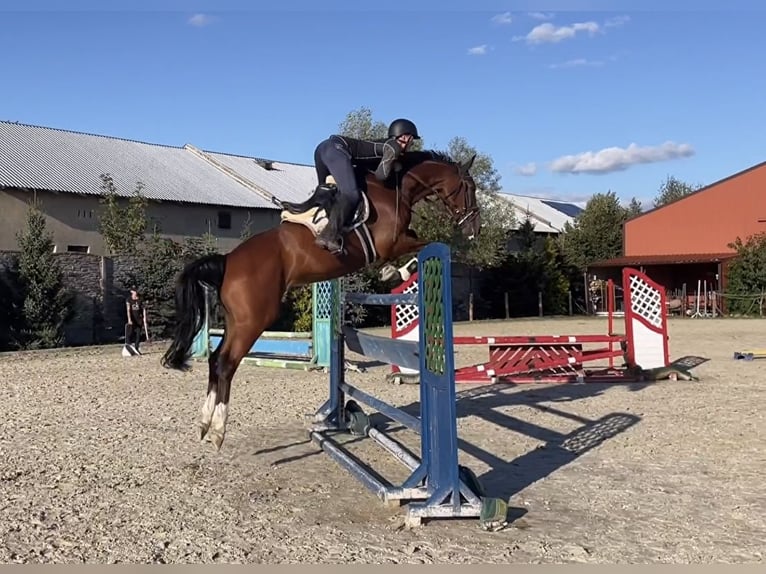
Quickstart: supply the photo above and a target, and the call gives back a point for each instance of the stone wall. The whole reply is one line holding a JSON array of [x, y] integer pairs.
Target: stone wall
[[98, 286]]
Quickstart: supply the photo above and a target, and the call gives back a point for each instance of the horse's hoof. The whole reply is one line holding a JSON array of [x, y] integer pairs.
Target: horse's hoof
[[203, 430], [217, 440]]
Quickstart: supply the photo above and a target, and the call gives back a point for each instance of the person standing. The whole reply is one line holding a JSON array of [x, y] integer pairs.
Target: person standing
[[136, 311]]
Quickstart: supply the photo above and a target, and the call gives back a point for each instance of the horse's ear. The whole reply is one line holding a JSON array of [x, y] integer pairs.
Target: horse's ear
[[465, 166]]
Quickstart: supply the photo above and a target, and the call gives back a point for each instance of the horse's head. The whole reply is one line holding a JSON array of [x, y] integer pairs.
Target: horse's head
[[451, 182]]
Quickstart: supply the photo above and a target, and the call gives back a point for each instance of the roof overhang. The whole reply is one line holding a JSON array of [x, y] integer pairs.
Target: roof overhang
[[677, 259]]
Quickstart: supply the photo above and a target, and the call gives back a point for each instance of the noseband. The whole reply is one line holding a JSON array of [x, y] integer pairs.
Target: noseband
[[467, 214]]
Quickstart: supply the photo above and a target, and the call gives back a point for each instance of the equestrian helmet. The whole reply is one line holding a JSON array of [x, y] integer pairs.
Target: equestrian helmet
[[402, 126]]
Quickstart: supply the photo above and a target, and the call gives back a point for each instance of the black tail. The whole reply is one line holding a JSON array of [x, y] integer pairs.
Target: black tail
[[190, 306]]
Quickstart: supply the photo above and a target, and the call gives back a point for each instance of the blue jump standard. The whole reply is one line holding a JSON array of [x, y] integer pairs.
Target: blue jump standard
[[437, 481]]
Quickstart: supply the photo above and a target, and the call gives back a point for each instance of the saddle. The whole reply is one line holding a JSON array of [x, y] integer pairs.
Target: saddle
[[312, 213]]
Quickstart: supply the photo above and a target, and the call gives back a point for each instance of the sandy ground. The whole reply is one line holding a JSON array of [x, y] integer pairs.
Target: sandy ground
[[101, 463]]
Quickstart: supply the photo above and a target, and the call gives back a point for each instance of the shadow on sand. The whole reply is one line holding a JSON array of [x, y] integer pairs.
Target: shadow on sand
[[507, 478]]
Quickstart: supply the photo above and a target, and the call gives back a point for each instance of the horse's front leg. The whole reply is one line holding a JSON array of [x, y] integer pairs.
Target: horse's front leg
[[405, 245]]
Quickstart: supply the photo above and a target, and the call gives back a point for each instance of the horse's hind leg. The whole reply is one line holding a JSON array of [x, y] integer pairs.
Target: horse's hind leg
[[251, 305], [238, 341], [212, 390]]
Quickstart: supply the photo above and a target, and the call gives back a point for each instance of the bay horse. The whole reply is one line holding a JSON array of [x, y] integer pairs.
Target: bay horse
[[253, 278]]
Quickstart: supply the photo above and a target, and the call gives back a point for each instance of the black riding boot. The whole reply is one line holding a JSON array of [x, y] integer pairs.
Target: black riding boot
[[322, 198], [340, 214], [331, 236]]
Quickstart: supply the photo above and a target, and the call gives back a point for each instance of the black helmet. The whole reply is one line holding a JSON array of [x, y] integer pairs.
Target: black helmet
[[400, 127]]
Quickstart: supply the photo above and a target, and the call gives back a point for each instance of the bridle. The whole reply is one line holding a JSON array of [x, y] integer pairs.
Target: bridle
[[465, 215]]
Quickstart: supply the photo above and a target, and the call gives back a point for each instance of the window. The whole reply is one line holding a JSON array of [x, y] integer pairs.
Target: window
[[78, 248], [224, 220]]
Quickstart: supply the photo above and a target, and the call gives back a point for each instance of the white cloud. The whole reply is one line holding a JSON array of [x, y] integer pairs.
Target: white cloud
[[547, 33], [477, 50], [616, 21], [619, 159], [541, 15], [504, 18], [200, 20], [577, 63], [526, 170]]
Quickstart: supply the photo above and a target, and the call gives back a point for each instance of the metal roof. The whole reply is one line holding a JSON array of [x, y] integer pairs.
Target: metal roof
[[287, 181], [547, 215], [52, 159]]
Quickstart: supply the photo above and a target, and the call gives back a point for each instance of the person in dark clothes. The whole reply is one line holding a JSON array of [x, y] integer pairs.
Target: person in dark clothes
[[136, 311], [337, 156]]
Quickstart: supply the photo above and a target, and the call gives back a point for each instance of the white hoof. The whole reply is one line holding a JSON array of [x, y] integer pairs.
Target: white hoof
[[218, 425], [207, 414], [388, 272]]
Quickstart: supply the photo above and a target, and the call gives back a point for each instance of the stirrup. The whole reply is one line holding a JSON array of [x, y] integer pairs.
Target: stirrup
[[320, 241]]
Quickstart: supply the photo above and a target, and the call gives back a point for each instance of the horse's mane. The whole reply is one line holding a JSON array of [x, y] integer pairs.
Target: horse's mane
[[413, 158]]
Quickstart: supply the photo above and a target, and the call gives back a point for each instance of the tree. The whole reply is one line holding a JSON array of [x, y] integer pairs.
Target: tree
[[432, 222], [634, 208], [158, 261], [46, 302], [597, 231], [246, 232], [673, 189], [11, 310], [193, 247], [747, 275], [360, 124], [535, 266], [122, 226]]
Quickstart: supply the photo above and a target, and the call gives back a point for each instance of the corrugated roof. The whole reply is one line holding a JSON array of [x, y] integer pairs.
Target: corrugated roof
[[547, 215], [626, 261], [287, 181], [59, 160]]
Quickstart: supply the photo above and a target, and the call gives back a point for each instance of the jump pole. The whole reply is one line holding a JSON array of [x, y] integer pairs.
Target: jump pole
[[437, 486], [561, 358], [302, 350]]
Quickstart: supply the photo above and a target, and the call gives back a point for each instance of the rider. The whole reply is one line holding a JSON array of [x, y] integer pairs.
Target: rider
[[337, 155]]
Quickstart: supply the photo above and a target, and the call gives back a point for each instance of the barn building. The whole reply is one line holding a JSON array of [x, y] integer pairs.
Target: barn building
[[190, 191], [685, 245]]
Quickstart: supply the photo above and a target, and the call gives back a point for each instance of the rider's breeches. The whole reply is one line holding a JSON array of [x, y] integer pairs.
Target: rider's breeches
[[331, 159]]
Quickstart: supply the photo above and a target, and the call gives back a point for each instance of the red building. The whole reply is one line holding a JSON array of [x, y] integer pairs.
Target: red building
[[684, 245]]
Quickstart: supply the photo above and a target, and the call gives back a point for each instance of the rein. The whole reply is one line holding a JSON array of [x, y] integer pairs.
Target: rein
[[468, 212]]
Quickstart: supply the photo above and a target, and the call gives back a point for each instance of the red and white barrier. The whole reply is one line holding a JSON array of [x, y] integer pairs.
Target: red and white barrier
[[404, 319], [561, 358]]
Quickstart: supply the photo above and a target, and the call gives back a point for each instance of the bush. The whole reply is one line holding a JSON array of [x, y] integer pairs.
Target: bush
[[747, 276]]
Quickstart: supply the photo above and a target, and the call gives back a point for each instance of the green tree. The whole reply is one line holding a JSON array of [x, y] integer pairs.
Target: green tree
[[433, 223], [673, 189], [158, 261], [246, 232], [634, 208], [596, 233], [535, 266], [556, 283], [12, 308], [193, 247], [46, 301], [122, 226], [360, 124], [747, 275]]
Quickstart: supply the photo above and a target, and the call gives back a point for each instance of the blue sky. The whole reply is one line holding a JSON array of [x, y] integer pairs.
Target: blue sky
[[568, 103]]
